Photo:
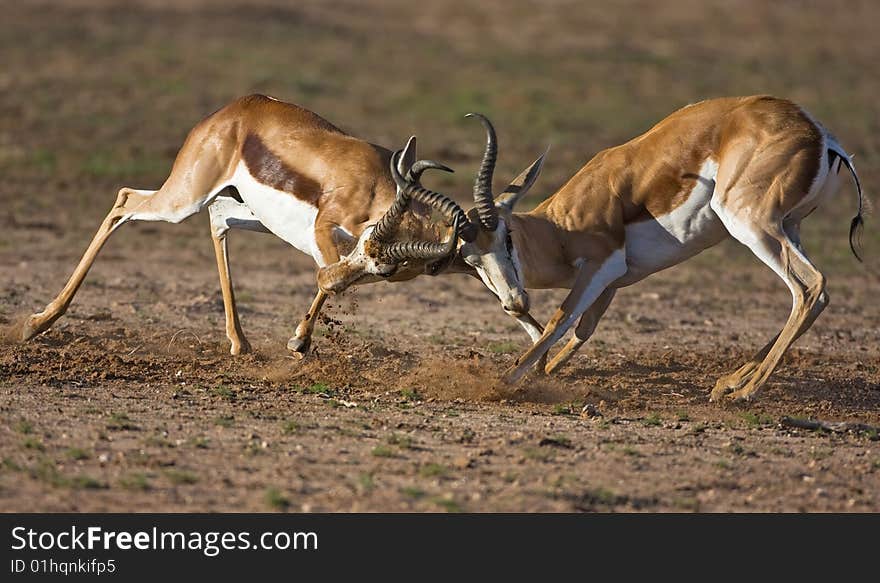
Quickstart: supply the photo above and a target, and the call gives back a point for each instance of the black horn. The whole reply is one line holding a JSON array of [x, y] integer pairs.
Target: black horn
[[440, 202], [389, 222], [402, 251], [414, 174], [483, 199]]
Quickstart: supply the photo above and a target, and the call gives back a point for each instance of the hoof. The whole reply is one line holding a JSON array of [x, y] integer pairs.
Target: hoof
[[720, 391], [512, 375], [743, 395], [30, 328], [724, 392], [298, 346], [240, 347], [541, 367], [725, 386]]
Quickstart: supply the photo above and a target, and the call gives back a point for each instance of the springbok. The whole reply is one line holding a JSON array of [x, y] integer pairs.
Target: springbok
[[750, 168], [264, 165]]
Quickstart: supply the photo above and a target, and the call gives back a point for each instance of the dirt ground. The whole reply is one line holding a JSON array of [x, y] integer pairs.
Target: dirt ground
[[132, 403]]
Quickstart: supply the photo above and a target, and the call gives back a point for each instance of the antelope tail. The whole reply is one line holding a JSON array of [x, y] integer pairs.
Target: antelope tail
[[857, 224]]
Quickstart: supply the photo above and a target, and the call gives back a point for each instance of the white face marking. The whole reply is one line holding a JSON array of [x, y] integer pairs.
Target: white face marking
[[289, 218], [667, 240], [499, 268], [356, 267]]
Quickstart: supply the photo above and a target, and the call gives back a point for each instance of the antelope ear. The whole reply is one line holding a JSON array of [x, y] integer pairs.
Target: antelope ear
[[343, 240], [407, 157], [521, 184]]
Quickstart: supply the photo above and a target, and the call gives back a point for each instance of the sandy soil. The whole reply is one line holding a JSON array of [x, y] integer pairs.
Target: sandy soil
[[132, 403]]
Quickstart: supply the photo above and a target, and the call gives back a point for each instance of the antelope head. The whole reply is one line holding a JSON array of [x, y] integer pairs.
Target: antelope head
[[379, 252], [489, 249]]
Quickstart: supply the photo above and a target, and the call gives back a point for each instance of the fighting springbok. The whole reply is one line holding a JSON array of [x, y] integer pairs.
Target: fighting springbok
[[750, 168], [264, 165]]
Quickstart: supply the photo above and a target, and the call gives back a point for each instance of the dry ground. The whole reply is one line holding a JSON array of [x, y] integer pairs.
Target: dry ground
[[131, 402]]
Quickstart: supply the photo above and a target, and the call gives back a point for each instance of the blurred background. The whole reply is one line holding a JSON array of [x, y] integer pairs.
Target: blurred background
[[97, 94], [103, 91]]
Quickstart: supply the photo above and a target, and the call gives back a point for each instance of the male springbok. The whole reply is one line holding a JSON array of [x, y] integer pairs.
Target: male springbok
[[264, 165], [750, 168]]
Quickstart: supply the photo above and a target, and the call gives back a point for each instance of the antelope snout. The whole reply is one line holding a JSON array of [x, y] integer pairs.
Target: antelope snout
[[516, 303]]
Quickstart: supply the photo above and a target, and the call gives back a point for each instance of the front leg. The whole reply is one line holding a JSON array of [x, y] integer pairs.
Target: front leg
[[534, 329], [583, 331], [592, 278], [332, 242], [302, 339]]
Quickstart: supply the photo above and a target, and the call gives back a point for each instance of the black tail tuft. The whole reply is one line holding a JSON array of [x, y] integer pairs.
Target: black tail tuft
[[855, 235], [858, 222]]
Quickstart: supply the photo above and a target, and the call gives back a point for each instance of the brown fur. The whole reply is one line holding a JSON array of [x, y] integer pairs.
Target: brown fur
[[768, 153], [284, 146], [268, 168]]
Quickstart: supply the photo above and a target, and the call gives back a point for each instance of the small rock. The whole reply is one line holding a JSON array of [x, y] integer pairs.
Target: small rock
[[590, 410]]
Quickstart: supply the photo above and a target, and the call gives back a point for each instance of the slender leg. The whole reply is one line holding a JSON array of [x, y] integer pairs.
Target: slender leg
[[584, 330], [226, 213], [130, 205], [738, 378], [300, 343], [592, 279], [776, 249], [237, 340], [534, 329], [41, 321]]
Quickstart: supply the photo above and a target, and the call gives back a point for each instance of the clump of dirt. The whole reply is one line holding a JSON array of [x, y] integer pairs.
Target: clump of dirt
[[11, 333], [473, 380]]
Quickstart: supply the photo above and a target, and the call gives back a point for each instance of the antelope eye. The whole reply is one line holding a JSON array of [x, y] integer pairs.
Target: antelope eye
[[387, 270]]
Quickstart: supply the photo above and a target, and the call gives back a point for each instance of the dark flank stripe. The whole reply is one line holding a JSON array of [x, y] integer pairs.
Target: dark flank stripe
[[271, 170]]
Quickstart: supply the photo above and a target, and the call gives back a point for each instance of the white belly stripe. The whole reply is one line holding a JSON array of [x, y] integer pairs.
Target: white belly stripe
[[289, 218], [664, 241]]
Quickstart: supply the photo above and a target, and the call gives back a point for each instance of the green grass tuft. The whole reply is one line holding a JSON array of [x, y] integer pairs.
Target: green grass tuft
[[433, 470], [77, 454], [181, 477], [137, 482], [382, 451], [276, 500]]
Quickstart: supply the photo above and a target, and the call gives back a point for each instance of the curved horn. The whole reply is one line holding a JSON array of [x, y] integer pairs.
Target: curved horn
[[483, 199], [442, 203], [415, 172], [389, 222], [396, 252]]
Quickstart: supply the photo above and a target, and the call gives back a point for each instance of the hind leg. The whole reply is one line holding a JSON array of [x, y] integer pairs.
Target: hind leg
[[736, 380], [775, 247], [131, 205]]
